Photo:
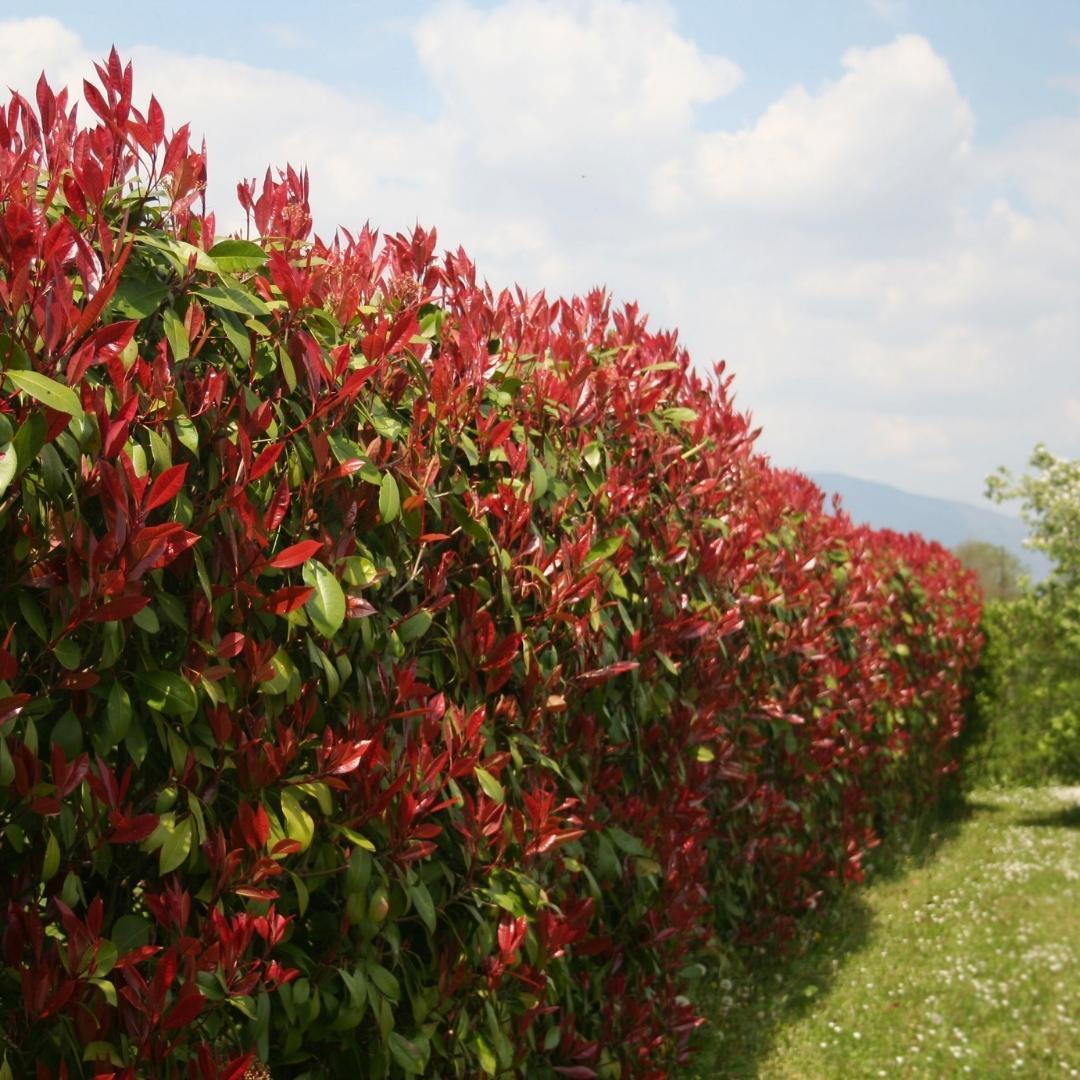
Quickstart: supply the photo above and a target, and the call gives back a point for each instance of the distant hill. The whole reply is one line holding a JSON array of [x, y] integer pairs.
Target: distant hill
[[948, 522]]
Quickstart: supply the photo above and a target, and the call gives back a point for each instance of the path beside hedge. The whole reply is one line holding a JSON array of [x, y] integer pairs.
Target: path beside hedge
[[963, 960]]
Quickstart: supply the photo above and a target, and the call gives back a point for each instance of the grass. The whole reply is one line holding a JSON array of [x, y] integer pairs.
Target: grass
[[961, 958]]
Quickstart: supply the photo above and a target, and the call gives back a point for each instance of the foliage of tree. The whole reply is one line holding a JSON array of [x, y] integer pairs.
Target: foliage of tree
[[1030, 696], [998, 570], [1050, 504]]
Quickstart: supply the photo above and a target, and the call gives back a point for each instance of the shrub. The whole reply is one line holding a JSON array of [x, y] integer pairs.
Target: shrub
[[399, 676], [1025, 721]]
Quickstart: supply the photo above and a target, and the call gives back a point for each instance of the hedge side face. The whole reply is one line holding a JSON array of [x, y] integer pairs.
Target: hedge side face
[[399, 677]]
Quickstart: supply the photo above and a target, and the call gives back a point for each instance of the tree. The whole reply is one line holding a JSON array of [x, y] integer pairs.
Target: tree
[[1050, 504], [999, 571], [1031, 697]]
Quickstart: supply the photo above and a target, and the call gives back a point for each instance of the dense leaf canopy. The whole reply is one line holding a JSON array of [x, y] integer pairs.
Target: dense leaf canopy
[[400, 677]]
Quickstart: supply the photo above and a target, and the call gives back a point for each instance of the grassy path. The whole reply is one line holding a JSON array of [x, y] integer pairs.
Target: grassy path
[[961, 960]]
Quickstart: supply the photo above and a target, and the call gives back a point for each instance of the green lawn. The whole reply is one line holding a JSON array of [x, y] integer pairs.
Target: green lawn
[[961, 959]]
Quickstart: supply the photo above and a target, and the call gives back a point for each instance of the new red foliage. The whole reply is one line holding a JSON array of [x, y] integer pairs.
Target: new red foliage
[[400, 676]]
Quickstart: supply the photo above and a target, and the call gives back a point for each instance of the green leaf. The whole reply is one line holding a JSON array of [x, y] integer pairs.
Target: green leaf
[[177, 335], [178, 251], [100, 1050], [603, 549], [425, 906], [109, 990], [384, 980], [162, 452], [415, 626], [235, 256], [7, 765], [244, 1003], [47, 391], [488, 1062], [130, 932], [67, 733], [243, 303], [326, 605], [107, 955], [119, 714], [29, 440], [284, 670], [389, 498], [679, 415], [299, 824], [539, 477], [51, 863], [176, 848], [406, 1053], [147, 620], [630, 844], [492, 788], [187, 433], [138, 297], [168, 693], [357, 984], [9, 463], [67, 652], [237, 335]]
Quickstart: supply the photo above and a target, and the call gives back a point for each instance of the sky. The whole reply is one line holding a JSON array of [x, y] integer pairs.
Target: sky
[[869, 208]]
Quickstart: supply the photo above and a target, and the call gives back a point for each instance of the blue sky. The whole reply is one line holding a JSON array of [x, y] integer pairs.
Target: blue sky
[[871, 208]]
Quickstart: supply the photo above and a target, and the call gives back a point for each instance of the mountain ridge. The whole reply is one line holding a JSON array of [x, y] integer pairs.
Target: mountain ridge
[[948, 521]]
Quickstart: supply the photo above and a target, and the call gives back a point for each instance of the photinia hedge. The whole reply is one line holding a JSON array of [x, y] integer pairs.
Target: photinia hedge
[[400, 677]]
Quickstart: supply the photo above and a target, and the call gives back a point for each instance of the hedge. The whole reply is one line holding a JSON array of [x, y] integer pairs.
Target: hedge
[[401, 677]]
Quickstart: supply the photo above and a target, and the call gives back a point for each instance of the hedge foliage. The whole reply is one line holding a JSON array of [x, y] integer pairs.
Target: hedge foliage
[[400, 677]]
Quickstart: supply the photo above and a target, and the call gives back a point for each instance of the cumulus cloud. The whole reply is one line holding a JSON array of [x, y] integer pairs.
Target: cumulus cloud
[[886, 144], [535, 78], [897, 299]]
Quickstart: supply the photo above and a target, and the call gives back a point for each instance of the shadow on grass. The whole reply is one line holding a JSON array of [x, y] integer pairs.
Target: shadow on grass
[[763, 993], [1068, 817]]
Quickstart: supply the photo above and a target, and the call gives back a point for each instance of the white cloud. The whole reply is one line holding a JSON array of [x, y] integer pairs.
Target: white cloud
[[887, 143], [896, 299], [533, 78], [890, 10]]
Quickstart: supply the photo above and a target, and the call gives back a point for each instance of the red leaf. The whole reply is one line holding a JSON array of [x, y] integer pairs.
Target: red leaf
[[265, 462], [79, 680], [295, 554], [95, 100], [186, 1009], [122, 608], [165, 487], [252, 893], [137, 956], [357, 607], [600, 675], [287, 847], [12, 706], [131, 830], [155, 118], [9, 669], [236, 1068], [287, 599], [231, 645]]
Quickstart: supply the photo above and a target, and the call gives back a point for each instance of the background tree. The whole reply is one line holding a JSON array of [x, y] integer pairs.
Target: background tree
[[999, 571], [1050, 505], [1030, 696]]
